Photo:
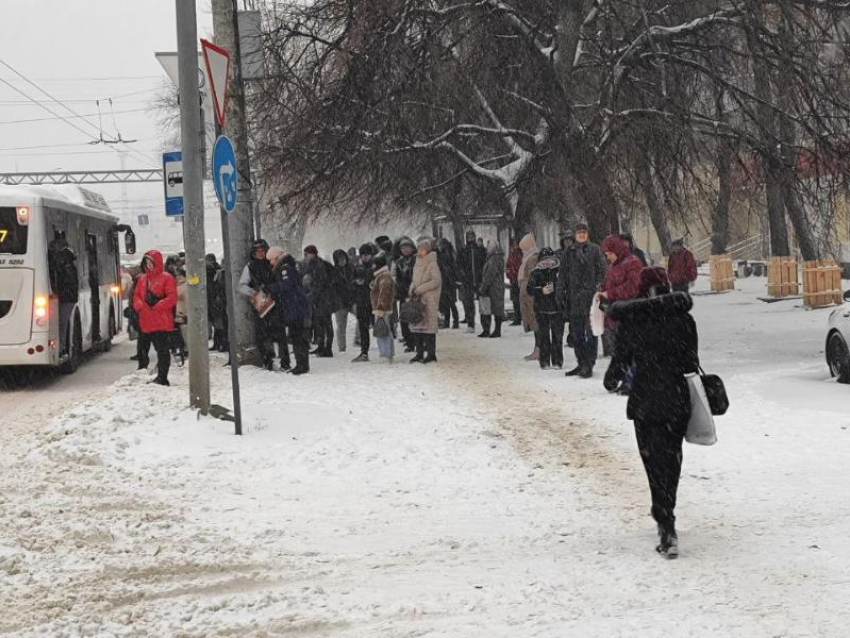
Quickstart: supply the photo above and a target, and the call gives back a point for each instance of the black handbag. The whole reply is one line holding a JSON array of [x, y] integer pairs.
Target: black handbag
[[715, 392], [382, 328], [412, 311], [150, 298]]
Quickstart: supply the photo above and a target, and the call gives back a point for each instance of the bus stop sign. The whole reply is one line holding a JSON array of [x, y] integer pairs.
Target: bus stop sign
[[172, 176]]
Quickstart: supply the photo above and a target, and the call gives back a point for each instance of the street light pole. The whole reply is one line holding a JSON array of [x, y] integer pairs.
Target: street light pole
[[191, 129]]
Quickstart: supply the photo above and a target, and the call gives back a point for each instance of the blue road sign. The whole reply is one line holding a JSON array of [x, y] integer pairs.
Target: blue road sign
[[224, 173], [172, 178]]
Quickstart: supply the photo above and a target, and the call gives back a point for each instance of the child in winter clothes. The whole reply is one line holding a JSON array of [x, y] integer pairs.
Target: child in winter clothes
[[544, 286], [383, 301]]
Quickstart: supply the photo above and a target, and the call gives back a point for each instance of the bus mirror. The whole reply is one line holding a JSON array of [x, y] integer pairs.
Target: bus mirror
[[129, 242]]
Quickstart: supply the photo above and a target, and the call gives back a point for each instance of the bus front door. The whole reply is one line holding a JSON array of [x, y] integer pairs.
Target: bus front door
[[94, 285]]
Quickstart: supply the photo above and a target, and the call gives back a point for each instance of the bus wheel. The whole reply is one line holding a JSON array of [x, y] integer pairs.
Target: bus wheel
[[112, 331], [75, 350]]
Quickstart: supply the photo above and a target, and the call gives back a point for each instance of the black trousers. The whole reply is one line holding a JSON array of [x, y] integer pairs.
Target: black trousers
[[467, 297], [299, 336], [323, 327], [448, 309], [161, 342], [364, 325], [660, 446], [585, 345], [551, 329], [515, 301]]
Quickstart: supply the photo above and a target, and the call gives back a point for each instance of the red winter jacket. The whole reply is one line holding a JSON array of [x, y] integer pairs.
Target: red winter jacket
[[513, 265], [160, 316], [622, 281], [682, 267]]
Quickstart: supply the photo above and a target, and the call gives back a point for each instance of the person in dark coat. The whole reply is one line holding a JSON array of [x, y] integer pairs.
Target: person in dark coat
[[658, 336], [343, 280], [292, 309], [257, 275], [470, 267], [404, 266], [544, 285], [581, 274], [637, 252], [681, 267], [493, 290], [362, 293], [216, 303], [447, 261], [319, 285]]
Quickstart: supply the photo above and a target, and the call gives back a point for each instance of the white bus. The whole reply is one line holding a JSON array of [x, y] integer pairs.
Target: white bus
[[60, 285]]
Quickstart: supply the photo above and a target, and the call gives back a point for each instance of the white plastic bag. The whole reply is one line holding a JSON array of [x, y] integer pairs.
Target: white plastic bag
[[597, 316], [701, 430]]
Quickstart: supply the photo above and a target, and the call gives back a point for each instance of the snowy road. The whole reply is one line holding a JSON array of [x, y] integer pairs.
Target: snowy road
[[480, 497], [31, 405]]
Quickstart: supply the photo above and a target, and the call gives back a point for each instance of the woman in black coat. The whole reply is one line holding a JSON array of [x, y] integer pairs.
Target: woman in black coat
[[658, 334]]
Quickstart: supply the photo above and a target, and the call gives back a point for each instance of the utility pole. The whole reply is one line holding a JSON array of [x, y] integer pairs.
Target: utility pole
[[191, 129], [241, 221]]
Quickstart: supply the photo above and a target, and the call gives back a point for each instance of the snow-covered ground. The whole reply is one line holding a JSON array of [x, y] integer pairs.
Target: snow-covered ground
[[479, 497]]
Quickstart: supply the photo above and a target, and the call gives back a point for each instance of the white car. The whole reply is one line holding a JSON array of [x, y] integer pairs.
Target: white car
[[838, 342]]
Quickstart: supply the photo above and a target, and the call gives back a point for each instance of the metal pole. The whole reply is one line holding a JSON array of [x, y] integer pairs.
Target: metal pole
[[193, 173], [231, 326], [240, 221]]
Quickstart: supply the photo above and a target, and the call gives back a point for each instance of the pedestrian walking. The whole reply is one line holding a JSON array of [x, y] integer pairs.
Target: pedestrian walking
[[470, 267], [513, 266], [383, 304], [681, 267], [404, 279], [447, 261], [581, 276], [530, 255], [544, 286], [658, 335], [292, 308], [426, 287], [492, 292], [343, 280], [362, 292], [154, 299]]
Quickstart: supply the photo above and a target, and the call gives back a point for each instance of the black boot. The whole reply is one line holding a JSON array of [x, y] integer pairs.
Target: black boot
[[420, 349], [485, 324], [668, 541], [431, 347], [498, 331]]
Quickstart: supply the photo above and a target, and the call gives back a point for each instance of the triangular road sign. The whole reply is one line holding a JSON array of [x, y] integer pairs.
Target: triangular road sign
[[218, 71]]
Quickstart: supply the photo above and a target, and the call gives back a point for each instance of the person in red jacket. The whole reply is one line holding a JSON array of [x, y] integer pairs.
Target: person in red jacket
[[514, 262], [154, 299], [681, 267]]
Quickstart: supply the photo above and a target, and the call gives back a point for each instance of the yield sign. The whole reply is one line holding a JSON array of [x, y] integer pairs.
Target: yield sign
[[218, 70]]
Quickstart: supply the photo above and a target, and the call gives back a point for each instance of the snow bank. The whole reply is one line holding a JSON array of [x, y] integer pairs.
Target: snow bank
[[479, 497]]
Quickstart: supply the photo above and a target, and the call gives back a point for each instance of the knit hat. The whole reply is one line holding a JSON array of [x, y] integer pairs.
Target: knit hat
[[311, 250], [425, 241], [581, 227], [654, 282], [368, 249], [274, 252]]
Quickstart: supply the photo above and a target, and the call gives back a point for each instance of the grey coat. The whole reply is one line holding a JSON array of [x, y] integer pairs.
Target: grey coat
[[582, 273], [493, 282]]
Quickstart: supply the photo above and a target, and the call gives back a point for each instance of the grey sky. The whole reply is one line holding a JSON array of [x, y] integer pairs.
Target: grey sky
[[69, 48]]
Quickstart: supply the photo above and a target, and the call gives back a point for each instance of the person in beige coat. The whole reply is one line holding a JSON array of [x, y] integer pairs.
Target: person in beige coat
[[426, 288], [530, 256]]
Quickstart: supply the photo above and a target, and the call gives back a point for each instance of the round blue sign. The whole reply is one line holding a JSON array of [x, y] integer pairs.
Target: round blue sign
[[224, 174]]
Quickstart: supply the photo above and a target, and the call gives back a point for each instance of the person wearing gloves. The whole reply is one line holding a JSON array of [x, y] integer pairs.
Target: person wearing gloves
[[155, 298], [492, 292], [426, 287], [383, 303], [543, 286], [530, 255]]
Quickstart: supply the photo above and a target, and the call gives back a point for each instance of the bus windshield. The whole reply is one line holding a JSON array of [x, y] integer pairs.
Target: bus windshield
[[13, 236]]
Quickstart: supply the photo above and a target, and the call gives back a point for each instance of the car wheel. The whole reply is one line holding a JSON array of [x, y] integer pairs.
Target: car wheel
[[838, 357], [75, 349]]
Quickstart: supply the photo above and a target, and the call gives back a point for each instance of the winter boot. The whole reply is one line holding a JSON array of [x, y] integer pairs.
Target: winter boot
[[431, 347], [586, 373], [420, 349], [361, 358], [485, 325], [668, 542], [574, 372], [498, 331], [534, 356]]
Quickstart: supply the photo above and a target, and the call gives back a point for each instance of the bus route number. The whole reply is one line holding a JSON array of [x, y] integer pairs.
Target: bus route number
[[3, 235]]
